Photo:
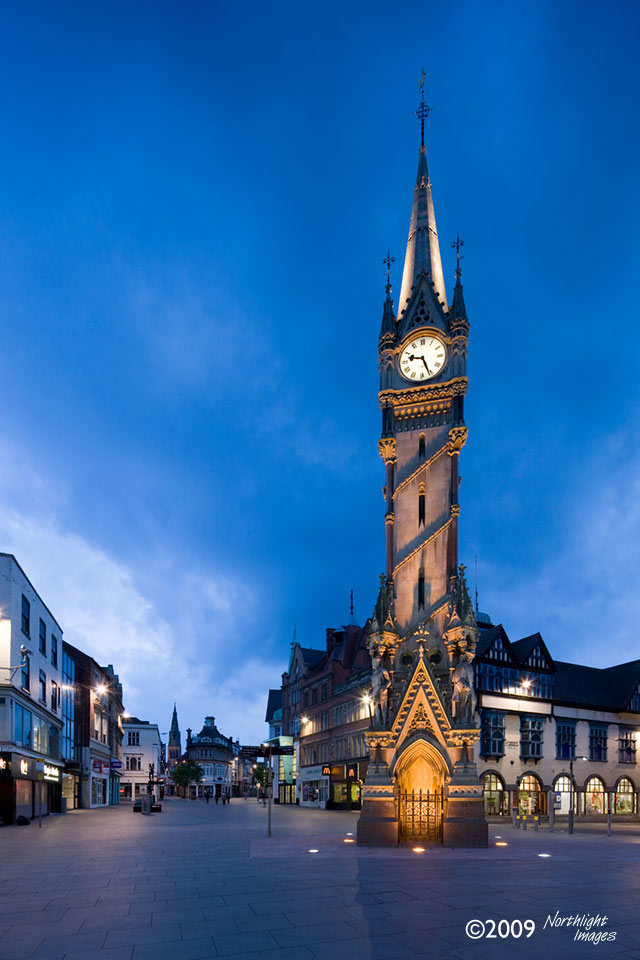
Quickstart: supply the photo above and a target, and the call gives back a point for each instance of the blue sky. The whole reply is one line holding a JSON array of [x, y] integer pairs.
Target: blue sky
[[196, 199]]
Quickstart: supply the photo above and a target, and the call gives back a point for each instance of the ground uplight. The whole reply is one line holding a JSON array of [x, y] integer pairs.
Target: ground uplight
[[502, 843], [418, 849], [544, 854], [348, 840], [314, 851]]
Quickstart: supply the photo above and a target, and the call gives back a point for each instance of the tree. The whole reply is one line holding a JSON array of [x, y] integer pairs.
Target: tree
[[187, 772]]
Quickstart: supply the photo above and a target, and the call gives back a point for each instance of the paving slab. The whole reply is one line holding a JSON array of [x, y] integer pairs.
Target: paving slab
[[196, 882]]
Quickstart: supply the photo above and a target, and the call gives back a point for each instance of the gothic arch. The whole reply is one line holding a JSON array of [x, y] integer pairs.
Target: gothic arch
[[420, 764]]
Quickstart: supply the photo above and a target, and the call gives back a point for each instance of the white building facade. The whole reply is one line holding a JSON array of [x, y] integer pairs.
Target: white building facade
[[555, 735], [141, 758], [30, 698]]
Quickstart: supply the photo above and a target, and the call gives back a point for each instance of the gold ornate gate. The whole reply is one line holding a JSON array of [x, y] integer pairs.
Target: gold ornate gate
[[420, 815]]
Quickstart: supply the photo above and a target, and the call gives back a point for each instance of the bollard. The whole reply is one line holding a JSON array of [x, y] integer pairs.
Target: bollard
[[524, 823], [536, 823], [145, 805]]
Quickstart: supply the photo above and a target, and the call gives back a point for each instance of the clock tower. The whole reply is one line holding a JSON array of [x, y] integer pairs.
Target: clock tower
[[422, 782]]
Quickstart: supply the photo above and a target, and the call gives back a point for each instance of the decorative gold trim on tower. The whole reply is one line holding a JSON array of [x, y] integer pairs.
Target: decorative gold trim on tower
[[387, 449], [457, 439]]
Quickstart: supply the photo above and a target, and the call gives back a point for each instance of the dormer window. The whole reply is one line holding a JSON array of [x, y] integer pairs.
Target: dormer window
[[497, 651], [536, 657]]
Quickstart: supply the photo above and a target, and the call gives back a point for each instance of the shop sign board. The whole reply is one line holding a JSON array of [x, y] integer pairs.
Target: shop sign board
[[326, 771], [51, 773], [116, 764], [99, 767], [352, 771]]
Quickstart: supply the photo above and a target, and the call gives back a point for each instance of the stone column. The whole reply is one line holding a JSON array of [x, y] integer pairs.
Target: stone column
[[387, 450]]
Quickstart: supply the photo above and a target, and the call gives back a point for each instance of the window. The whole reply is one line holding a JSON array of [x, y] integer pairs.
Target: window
[[421, 511], [597, 741], [531, 799], [133, 763], [565, 739], [43, 637], [492, 734], [530, 738], [421, 446], [421, 588], [26, 616], [496, 800], [594, 796], [54, 650], [54, 696], [627, 745], [635, 699], [133, 738], [536, 658], [40, 735], [624, 799], [497, 651], [18, 718], [23, 720], [43, 687], [26, 674]]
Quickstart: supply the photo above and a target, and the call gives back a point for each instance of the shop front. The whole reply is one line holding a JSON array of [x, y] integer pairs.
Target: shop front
[[99, 785], [345, 791], [29, 787], [314, 786]]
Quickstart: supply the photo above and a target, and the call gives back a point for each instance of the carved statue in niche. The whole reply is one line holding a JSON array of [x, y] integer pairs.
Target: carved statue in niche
[[463, 700], [381, 681]]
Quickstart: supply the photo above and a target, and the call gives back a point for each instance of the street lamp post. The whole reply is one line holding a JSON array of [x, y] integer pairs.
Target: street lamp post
[[570, 819]]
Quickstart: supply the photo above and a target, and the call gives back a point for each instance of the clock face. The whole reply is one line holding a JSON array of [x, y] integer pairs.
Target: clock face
[[423, 358]]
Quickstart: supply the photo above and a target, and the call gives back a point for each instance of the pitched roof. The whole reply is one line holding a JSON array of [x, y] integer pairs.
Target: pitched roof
[[312, 657], [274, 703]]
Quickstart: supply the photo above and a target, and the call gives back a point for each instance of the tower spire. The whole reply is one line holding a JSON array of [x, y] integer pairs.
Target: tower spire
[[388, 328], [423, 249], [458, 309]]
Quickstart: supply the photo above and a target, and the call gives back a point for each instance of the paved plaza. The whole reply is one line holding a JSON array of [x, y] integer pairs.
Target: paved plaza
[[201, 881]]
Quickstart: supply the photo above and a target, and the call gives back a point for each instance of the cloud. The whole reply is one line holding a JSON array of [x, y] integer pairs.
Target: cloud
[[208, 657], [584, 593]]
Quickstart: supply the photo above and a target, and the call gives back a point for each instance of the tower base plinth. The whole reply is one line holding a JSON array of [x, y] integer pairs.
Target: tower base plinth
[[465, 825], [378, 824]]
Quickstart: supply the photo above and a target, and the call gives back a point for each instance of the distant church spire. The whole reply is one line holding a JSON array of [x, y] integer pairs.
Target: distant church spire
[[423, 249]]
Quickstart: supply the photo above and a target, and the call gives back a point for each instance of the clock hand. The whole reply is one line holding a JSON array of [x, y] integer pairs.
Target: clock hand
[[427, 368]]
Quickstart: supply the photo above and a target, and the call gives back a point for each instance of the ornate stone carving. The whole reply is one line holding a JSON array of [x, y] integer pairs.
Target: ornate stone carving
[[464, 699], [457, 439], [387, 449], [381, 681]]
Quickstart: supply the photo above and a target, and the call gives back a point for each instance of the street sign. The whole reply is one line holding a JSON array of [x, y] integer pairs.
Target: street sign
[[116, 764]]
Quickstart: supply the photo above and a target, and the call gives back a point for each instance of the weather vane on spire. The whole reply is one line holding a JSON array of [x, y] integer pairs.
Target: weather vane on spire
[[388, 260], [423, 110], [457, 243]]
